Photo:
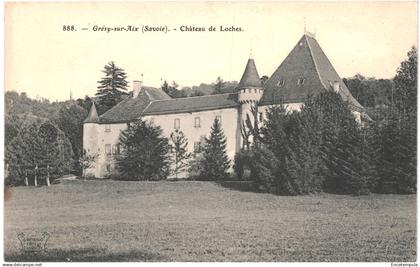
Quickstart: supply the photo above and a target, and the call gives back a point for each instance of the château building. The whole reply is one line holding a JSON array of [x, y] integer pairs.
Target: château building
[[305, 71]]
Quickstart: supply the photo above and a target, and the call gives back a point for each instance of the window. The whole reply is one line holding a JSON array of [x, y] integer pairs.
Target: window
[[116, 149], [197, 147], [197, 122], [219, 118], [108, 149], [280, 83], [108, 167], [107, 127], [301, 81], [255, 90], [261, 116], [171, 148], [176, 124]]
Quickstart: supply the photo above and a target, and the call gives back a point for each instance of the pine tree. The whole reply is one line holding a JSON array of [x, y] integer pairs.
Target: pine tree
[[112, 87], [341, 146], [144, 152], [303, 164], [396, 134], [180, 155], [215, 162]]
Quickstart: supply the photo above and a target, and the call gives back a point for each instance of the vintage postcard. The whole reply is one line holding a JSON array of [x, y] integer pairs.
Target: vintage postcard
[[210, 132]]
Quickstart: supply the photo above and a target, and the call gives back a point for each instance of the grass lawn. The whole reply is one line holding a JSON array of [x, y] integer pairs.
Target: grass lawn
[[203, 221]]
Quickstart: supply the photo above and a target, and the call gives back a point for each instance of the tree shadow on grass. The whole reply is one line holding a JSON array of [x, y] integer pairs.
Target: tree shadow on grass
[[83, 255], [244, 186]]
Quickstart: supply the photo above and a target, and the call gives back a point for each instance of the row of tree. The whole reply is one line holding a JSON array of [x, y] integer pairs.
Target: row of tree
[[147, 155]]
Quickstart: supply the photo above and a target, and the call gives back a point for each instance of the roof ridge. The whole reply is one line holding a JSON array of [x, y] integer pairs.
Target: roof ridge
[[189, 97], [313, 60], [148, 105]]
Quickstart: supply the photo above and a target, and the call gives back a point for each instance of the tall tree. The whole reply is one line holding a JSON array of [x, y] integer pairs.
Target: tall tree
[[180, 155], [215, 162], [112, 87], [144, 152]]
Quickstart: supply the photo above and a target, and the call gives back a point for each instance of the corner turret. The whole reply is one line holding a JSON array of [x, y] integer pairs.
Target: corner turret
[[92, 116], [249, 89]]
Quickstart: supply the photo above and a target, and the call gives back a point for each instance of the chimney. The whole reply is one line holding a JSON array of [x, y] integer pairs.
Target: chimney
[[136, 88], [336, 86]]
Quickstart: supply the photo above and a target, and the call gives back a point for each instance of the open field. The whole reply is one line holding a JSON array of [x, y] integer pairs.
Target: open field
[[203, 221]]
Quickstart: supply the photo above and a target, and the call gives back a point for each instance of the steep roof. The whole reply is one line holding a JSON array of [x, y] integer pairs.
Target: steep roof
[[192, 104], [250, 77], [132, 108], [306, 61], [93, 115]]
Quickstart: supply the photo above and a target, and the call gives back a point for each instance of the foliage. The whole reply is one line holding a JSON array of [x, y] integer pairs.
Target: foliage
[[180, 155], [242, 161], [70, 121], [144, 152], [208, 89], [172, 90], [87, 161], [406, 84], [215, 162], [36, 147], [218, 86], [369, 91], [250, 128], [112, 87], [18, 104], [395, 135]]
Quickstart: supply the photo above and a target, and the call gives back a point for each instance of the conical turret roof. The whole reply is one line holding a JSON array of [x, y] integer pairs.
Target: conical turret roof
[[305, 71], [250, 78], [93, 115]]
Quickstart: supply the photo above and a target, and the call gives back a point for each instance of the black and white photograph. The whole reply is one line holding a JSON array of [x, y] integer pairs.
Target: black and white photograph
[[210, 132]]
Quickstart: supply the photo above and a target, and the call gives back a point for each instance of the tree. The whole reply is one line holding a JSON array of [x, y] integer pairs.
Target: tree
[[341, 146], [396, 134], [39, 149], [112, 87], [215, 162], [180, 155], [144, 152], [406, 84], [70, 121], [219, 85]]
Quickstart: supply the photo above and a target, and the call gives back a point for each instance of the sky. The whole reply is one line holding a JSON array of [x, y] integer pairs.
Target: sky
[[370, 38]]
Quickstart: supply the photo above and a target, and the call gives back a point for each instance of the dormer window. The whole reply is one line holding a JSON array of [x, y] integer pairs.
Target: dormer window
[[280, 83], [301, 81]]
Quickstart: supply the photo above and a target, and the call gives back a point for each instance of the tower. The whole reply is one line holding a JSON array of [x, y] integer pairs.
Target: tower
[[90, 135], [250, 91]]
